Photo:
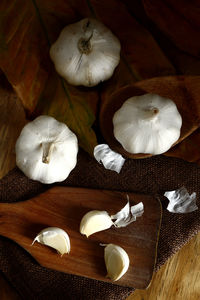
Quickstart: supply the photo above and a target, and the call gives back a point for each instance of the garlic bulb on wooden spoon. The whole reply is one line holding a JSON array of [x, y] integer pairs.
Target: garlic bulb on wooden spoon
[[147, 124], [86, 53], [46, 150]]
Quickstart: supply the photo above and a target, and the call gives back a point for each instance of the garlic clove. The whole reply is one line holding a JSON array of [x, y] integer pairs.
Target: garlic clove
[[95, 221], [54, 237], [116, 260]]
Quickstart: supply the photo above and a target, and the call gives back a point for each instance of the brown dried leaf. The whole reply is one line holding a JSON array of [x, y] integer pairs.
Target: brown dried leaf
[[183, 62], [141, 57], [27, 29], [179, 20], [187, 149]]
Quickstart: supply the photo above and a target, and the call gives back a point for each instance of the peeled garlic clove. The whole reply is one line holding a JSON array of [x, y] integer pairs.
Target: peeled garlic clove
[[116, 260], [95, 221], [54, 237]]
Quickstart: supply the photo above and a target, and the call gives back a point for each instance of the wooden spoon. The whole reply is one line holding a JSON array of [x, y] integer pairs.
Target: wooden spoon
[[64, 207], [183, 90]]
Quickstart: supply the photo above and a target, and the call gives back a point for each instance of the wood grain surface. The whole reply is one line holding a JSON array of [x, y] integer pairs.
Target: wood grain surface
[[178, 279], [64, 207]]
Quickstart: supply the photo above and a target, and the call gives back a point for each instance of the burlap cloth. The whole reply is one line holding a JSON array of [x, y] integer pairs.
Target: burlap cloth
[[152, 175]]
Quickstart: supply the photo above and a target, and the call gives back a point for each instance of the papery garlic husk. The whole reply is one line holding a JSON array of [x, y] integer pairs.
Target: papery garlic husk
[[148, 124], [124, 212], [128, 214], [180, 201], [86, 53], [54, 237], [111, 160], [116, 261], [95, 221], [46, 150]]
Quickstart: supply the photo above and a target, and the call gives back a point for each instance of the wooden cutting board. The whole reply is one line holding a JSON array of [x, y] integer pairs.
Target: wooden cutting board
[[64, 207]]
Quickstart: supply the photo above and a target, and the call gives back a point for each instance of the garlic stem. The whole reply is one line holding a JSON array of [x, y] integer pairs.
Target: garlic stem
[[84, 45], [47, 149], [150, 113]]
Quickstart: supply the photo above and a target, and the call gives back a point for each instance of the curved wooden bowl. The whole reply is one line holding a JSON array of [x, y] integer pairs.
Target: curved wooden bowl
[[183, 90]]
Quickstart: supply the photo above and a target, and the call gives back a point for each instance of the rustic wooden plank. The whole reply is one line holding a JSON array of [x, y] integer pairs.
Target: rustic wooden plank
[[178, 279], [64, 207]]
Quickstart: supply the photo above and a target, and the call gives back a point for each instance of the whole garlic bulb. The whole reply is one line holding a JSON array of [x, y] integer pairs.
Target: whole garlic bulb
[[46, 150], [86, 53], [147, 124]]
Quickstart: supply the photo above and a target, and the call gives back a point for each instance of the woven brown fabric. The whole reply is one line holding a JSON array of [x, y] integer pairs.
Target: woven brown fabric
[[152, 175]]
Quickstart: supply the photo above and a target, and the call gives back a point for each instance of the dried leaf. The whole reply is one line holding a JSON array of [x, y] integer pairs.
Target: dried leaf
[[139, 49], [67, 105], [141, 56], [27, 29], [179, 20], [183, 62], [188, 149]]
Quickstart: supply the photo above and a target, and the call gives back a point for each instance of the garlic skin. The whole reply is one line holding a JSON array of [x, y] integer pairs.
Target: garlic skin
[[111, 160], [95, 221], [86, 53], [128, 214], [148, 124], [46, 150], [116, 260], [180, 201], [54, 237]]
